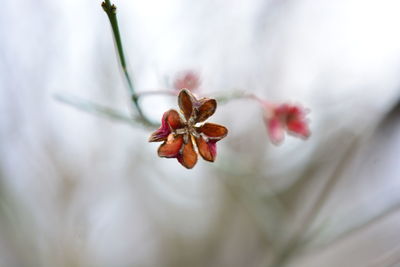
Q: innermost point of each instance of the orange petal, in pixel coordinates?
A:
(188, 157)
(185, 102)
(206, 109)
(215, 131)
(171, 147)
(208, 150)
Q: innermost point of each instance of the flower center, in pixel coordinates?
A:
(188, 129)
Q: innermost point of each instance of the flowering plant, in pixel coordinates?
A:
(182, 135)
(185, 135)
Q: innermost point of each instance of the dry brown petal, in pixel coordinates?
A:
(213, 130)
(185, 102)
(206, 151)
(206, 109)
(188, 158)
(171, 147)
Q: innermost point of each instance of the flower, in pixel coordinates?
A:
(187, 80)
(289, 117)
(182, 136)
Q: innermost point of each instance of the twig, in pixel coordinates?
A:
(237, 94)
(98, 109)
(111, 11)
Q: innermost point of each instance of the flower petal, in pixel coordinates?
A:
(208, 150)
(169, 120)
(188, 157)
(214, 131)
(185, 102)
(275, 130)
(173, 119)
(296, 122)
(207, 107)
(298, 128)
(171, 147)
(282, 110)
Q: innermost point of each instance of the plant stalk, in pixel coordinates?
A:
(111, 11)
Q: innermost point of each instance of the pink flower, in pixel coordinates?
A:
(285, 117)
(187, 80)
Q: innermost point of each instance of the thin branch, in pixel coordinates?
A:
(97, 109)
(111, 11)
(237, 94)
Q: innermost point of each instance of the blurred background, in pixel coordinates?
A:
(80, 190)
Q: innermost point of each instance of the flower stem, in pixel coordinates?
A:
(111, 11)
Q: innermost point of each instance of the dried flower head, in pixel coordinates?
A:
(187, 80)
(285, 117)
(183, 135)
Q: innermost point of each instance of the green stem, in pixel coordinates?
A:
(98, 109)
(111, 11)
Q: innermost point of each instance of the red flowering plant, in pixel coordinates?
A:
(185, 134)
(182, 136)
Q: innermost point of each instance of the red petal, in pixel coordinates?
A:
(185, 102)
(188, 157)
(299, 128)
(169, 120)
(208, 150)
(296, 122)
(213, 130)
(275, 130)
(171, 147)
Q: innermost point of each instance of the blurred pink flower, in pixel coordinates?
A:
(285, 117)
(187, 80)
